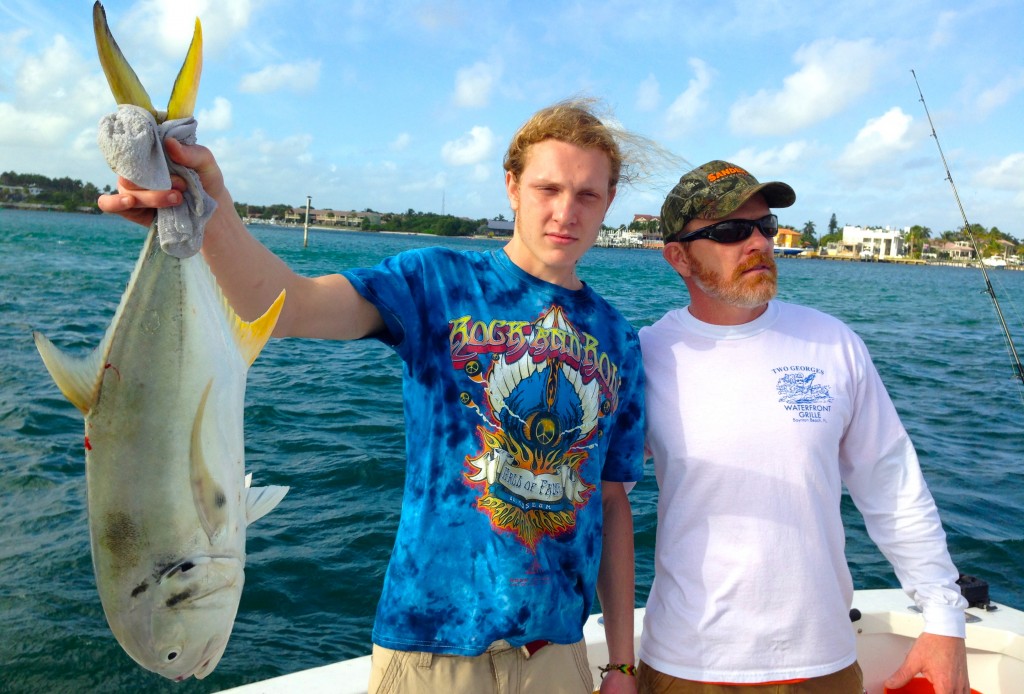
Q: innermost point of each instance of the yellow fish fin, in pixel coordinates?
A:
(124, 83)
(77, 377)
(186, 85)
(251, 337)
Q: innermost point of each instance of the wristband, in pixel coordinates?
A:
(618, 667)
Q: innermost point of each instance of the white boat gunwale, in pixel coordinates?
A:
(886, 630)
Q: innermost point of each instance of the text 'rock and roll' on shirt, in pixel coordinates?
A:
(520, 398)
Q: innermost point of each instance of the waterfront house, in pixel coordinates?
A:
(1008, 249)
(331, 218)
(497, 228)
(841, 249)
(788, 239)
(880, 242)
(25, 191)
(619, 238)
(649, 228)
(953, 250)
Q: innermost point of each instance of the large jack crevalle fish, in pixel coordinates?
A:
(163, 398)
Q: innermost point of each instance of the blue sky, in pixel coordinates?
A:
(398, 105)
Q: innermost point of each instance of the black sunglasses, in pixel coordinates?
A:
(733, 230)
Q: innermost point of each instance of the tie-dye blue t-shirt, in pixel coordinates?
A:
(520, 398)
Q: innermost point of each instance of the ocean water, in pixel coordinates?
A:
(326, 419)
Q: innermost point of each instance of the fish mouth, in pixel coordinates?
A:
(196, 601)
(209, 660)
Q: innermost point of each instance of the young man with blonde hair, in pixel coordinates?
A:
(524, 419)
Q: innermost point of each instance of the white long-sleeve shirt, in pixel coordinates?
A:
(754, 431)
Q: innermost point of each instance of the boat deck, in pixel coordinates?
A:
(886, 630)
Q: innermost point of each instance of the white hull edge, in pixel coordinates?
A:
(885, 632)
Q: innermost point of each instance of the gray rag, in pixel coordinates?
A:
(132, 142)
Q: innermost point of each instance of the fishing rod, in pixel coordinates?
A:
(970, 234)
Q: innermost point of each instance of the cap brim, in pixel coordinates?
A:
(776, 194)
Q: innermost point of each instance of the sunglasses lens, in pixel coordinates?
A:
(734, 230)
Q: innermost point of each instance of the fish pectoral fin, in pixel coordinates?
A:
(259, 501)
(251, 337)
(77, 377)
(208, 495)
(186, 85)
(124, 83)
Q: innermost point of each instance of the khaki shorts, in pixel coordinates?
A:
(849, 680)
(554, 669)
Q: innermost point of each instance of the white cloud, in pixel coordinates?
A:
(472, 148)
(945, 30)
(772, 163)
(46, 76)
(31, 128)
(1000, 93)
(169, 27)
(688, 106)
(833, 75)
(294, 77)
(878, 140)
(401, 142)
(10, 47)
(216, 118)
(481, 173)
(474, 84)
(648, 94)
(52, 97)
(1006, 174)
(257, 167)
(437, 182)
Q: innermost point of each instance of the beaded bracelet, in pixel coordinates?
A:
(618, 667)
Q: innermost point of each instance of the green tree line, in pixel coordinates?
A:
(919, 237)
(428, 223)
(264, 212)
(63, 193)
(411, 221)
(73, 195)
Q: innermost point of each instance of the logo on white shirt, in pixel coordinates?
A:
(800, 393)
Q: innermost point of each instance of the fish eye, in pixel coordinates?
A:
(171, 656)
(183, 567)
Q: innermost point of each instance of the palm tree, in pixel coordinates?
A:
(916, 237)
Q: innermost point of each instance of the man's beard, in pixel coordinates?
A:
(739, 290)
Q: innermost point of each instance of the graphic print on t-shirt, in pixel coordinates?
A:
(539, 389)
(801, 393)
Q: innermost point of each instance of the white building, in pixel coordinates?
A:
(619, 238)
(877, 242)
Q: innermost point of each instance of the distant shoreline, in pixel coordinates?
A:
(396, 232)
(37, 207)
(42, 207)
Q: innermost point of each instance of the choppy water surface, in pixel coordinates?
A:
(326, 419)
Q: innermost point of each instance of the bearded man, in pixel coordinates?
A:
(759, 412)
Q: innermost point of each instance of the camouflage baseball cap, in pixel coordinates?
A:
(713, 191)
